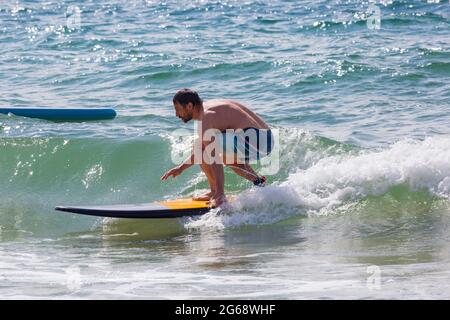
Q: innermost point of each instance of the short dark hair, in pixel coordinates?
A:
(184, 96)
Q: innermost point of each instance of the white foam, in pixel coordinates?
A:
(338, 180)
(334, 180)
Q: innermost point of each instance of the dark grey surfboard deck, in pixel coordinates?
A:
(156, 210)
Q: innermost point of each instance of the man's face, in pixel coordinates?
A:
(184, 113)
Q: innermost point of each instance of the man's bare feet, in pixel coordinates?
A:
(203, 197)
(217, 201)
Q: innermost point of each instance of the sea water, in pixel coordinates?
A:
(358, 91)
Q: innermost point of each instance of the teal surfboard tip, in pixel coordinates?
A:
(62, 114)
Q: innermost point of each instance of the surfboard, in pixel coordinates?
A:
(63, 114)
(156, 210)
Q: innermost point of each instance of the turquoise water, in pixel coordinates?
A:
(359, 207)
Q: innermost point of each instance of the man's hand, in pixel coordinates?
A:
(174, 172)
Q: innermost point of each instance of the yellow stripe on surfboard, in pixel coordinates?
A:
(183, 204)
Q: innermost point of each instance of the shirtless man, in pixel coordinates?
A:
(220, 115)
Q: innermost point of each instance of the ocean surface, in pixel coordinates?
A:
(360, 94)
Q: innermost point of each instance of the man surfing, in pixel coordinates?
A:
(240, 136)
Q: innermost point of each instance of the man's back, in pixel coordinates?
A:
(225, 114)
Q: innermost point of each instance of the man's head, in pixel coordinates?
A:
(187, 103)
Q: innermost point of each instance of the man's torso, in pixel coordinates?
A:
(225, 114)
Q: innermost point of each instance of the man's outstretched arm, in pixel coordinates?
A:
(176, 171)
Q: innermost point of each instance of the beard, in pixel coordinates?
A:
(186, 119)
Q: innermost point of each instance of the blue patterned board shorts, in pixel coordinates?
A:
(248, 144)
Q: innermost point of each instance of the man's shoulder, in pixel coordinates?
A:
(219, 103)
(209, 113)
(215, 101)
(209, 116)
(212, 119)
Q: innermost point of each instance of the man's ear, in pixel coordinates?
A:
(190, 106)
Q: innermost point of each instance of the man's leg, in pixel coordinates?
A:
(219, 178)
(245, 171)
(212, 184)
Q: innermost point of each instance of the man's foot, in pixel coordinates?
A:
(260, 181)
(203, 197)
(217, 201)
